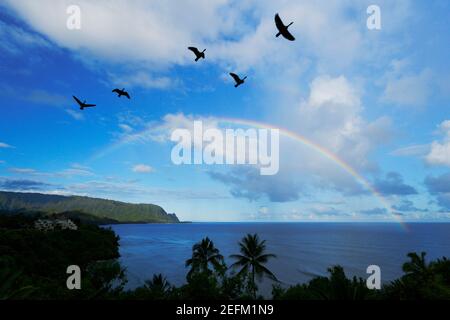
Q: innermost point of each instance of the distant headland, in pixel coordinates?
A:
(96, 209)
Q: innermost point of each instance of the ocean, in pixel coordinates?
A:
(302, 249)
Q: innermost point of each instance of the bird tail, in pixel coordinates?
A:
(236, 85)
(278, 34)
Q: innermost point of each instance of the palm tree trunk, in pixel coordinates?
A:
(253, 282)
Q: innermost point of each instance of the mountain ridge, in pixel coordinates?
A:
(122, 212)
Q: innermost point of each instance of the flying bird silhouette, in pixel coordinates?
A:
(121, 93)
(238, 80)
(197, 53)
(83, 104)
(282, 29)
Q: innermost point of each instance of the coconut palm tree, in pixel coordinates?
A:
(204, 254)
(252, 260)
(417, 266)
(158, 286)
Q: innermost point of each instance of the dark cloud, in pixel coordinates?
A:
(379, 211)
(393, 185)
(440, 187)
(10, 184)
(407, 206)
(444, 200)
(439, 184)
(330, 212)
(246, 182)
(374, 211)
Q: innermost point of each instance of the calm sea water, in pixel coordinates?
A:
(302, 249)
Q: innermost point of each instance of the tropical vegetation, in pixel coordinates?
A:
(33, 265)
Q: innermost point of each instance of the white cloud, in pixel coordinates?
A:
(155, 34)
(332, 117)
(16, 40)
(73, 170)
(162, 131)
(23, 170)
(126, 128)
(413, 150)
(440, 150)
(142, 80)
(138, 30)
(408, 89)
(142, 168)
(75, 114)
(5, 145)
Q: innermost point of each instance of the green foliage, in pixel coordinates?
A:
(33, 265)
(85, 218)
(11, 285)
(204, 255)
(335, 287)
(106, 279)
(422, 280)
(111, 211)
(207, 269)
(43, 258)
(202, 286)
(158, 288)
(213, 286)
(252, 260)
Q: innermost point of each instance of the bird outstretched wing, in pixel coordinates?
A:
(127, 95)
(283, 29)
(288, 35)
(116, 90)
(235, 77)
(78, 100)
(194, 50)
(279, 23)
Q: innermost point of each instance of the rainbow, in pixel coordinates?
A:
(287, 133)
(324, 152)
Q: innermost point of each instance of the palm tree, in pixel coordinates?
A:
(417, 266)
(158, 286)
(252, 260)
(204, 253)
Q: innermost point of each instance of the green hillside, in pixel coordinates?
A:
(102, 208)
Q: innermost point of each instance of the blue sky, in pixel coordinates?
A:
(377, 99)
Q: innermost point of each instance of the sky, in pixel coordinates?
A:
(371, 107)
